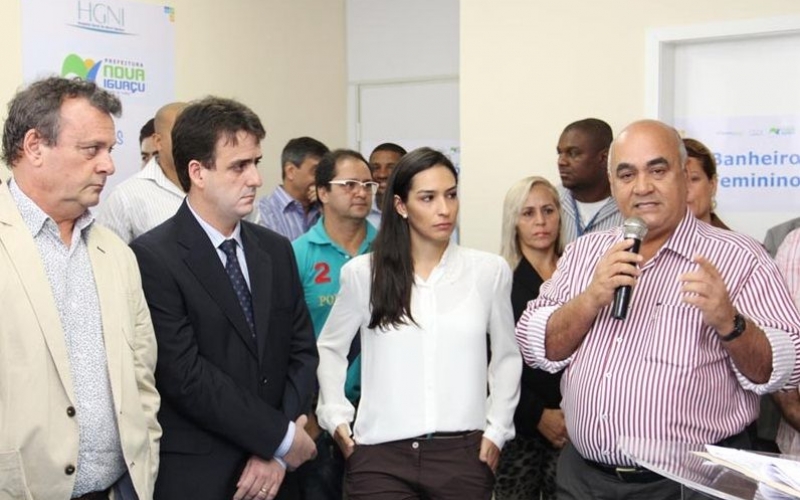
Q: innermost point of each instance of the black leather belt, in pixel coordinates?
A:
(445, 435)
(626, 474)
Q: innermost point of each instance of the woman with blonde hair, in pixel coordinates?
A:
(531, 245)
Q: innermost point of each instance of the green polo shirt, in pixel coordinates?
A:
(320, 261)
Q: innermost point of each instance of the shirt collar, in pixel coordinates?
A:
(37, 220)
(215, 236)
(318, 236)
(285, 201)
(152, 170)
(446, 269)
(682, 241)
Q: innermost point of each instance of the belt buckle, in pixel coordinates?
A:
(621, 471)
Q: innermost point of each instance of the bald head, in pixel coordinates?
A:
(165, 117)
(164, 121)
(647, 172)
(651, 128)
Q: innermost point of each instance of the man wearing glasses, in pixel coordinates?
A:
(344, 189)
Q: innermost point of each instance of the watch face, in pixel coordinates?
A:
(738, 324)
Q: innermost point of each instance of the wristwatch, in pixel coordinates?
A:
(738, 328)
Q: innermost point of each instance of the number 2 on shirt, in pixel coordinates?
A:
(324, 271)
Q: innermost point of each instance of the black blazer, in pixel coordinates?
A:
(225, 396)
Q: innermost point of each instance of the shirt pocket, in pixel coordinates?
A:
(678, 336)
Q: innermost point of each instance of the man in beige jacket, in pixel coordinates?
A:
(78, 401)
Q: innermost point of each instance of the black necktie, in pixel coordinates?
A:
(239, 284)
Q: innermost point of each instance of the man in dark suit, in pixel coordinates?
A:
(236, 350)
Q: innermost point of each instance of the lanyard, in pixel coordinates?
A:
(578, 223)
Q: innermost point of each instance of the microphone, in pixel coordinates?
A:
(634, 228)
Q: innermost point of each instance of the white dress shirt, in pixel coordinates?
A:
(430, 376)
(140, 203)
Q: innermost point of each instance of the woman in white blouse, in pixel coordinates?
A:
(426, 426)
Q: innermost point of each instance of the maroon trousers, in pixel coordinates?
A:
(440, 468)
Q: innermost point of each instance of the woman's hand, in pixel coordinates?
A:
(489, 454)
(344, 441)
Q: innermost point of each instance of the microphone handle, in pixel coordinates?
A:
(622, 295)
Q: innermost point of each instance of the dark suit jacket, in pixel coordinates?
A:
(224, 396)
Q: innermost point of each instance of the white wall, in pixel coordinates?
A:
(387, 39)
(284, 59)
(529, 68)
(407, 52)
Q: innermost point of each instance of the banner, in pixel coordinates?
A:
(758, 160)
(125, 47)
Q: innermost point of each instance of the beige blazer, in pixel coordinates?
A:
(38, 429)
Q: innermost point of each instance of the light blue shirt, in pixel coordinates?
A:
(285, 215)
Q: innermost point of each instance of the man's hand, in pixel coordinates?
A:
(260, 480)
(789, 404)
(489, 454)
(311, 194)
(312, 426)
(568, 325)
(344, 441)
(303, 447)
(553, 427)
(705, 290)
(618, 267)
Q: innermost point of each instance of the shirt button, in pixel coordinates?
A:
(606, 452)
(415, 445)
(619, 339)
(69, 470)
(264, 381)
(70, 411)
(608, 375)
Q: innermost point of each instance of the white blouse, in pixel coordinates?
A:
(432, 377)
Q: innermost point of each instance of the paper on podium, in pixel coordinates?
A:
(777, 473)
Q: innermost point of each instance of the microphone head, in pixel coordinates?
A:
(634, 228)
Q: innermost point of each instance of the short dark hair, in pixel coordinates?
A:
(599, 131)
(326, 169)
(297, 150)
(147, 130)
(198, 128)
(389, 146)
(392, 265)
(38, 107)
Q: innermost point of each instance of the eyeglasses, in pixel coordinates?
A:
(351, 185)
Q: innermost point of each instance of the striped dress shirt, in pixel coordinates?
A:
(140, 203)
(285, 215)
(608, 217)
(662, 373)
